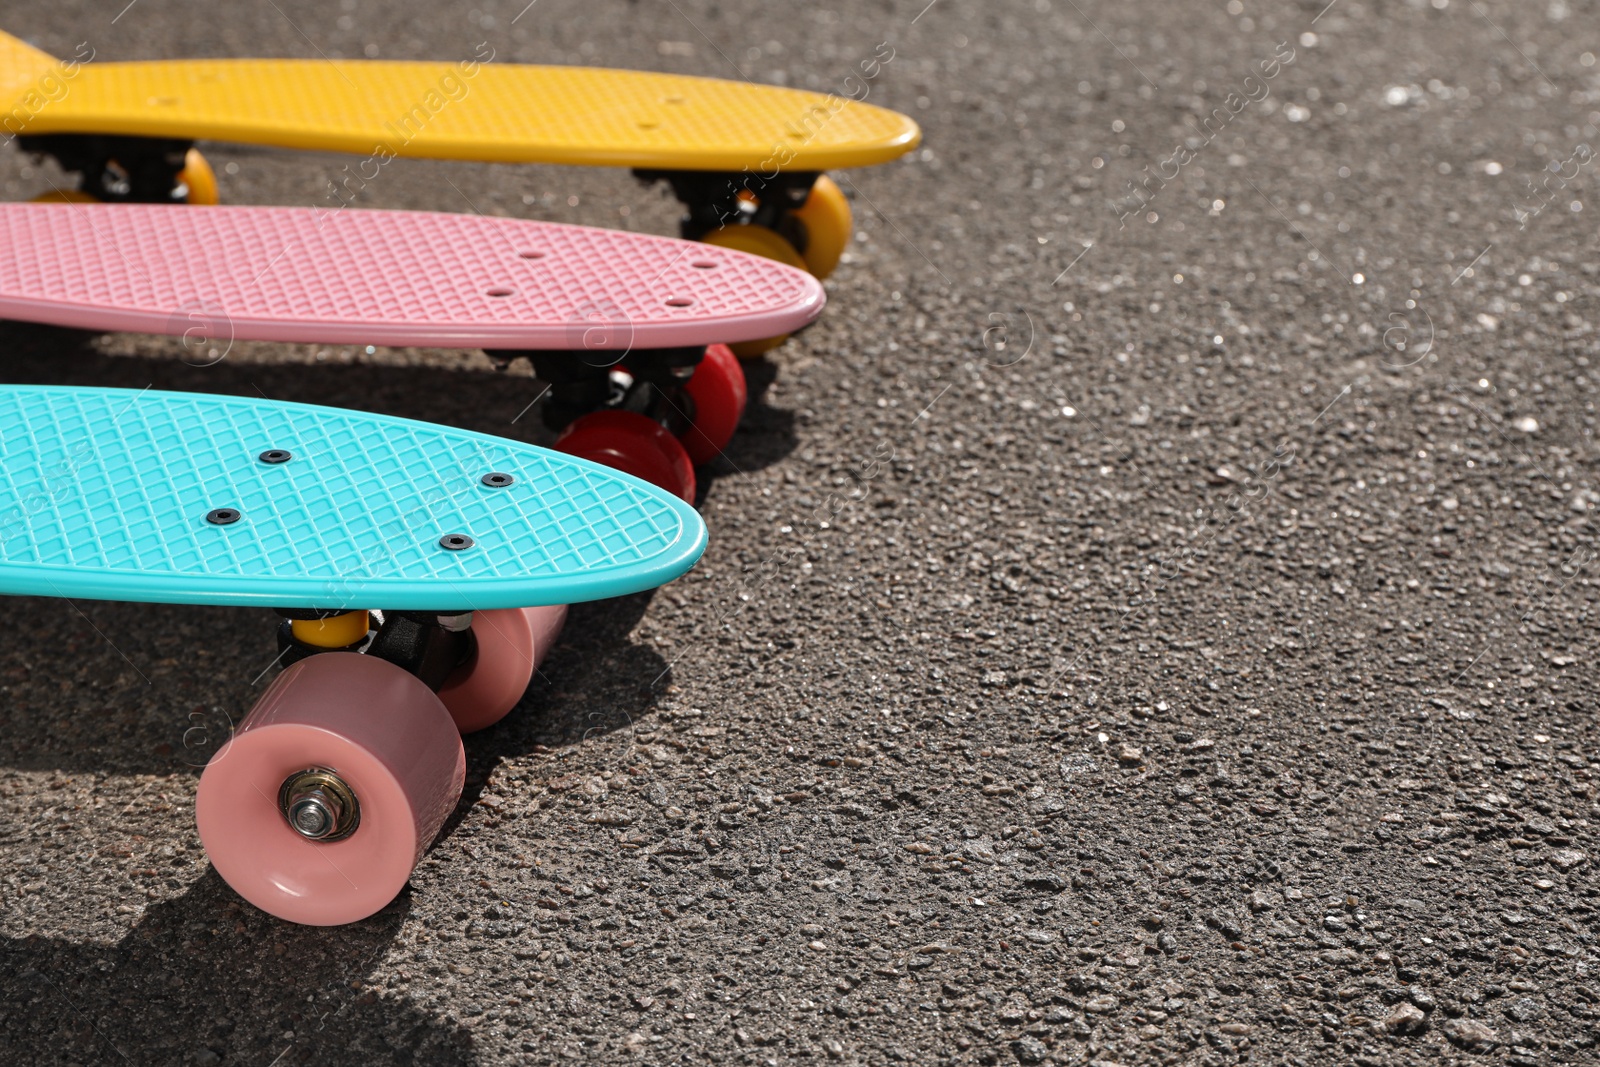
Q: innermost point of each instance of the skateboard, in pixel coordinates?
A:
(745, 160)
(629, 331)
(321, 802)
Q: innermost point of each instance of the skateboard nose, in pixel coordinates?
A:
(318, 805)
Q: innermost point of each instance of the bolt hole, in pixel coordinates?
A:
(679, 302)
(276, 455)
(530, 254)
(705, 264)
(500, 290)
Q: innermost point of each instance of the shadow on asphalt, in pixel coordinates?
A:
(205, 979)
(468, 397)
(594, 688)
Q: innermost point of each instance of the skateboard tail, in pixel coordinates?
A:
(31, 82)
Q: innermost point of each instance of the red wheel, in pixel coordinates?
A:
(320, 805)
(719, 394)
(511, 643)
(632, 444)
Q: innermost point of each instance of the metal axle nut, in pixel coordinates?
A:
(318, 805)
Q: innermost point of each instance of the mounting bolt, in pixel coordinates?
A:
(276, 455)
(456, 542)
(224, 516)
(497, 480)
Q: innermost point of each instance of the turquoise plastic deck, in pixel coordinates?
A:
(105, 493)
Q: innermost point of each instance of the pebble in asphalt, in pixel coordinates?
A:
(1150, 619)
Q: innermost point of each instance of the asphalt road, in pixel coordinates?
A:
(1139, 627)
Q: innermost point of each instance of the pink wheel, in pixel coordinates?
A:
(511, 643)
(633, 444)
(719, 395)
(365, 761)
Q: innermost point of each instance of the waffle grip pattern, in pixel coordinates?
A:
(386, 278)
(159, 497)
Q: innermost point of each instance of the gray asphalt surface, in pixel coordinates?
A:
(1137, 629)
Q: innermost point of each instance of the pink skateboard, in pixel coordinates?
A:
(628, 330)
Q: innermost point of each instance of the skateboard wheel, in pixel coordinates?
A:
(633, 444)
(370, 728)
(756, 240)
(63, 196)
(826, 214)
(757, 349)
(511, 643)
(719, 395)
(201, 179)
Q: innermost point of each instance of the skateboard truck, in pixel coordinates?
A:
(133, 170)
(648, 381)
(713, 201)
(427, 644)
(306, 631)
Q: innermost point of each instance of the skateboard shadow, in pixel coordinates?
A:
(466, 394)
(766, 434)
(154, 689)
(454, 391)
(204, 978)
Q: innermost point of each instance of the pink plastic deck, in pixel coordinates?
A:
(385, 278)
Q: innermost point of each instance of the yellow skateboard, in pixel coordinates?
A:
(746, 160)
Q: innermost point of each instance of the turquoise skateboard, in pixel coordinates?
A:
(421, 572)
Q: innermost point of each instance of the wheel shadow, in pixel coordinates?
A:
(204, 978)
(461, 395)
(766, 434)
(595, 688)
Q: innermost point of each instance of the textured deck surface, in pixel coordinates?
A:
(503, 113)
(391, 278)
(104, 494)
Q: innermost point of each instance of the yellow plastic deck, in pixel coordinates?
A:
(491, 112)
(26, 83)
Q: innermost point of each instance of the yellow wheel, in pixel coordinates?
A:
(63, 196)
(758, 241)
(826, 214)
(199, 177)
(757, 349)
